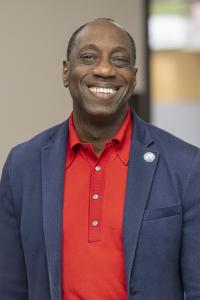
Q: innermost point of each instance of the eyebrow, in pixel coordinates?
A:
(88, 46)
(120, 49)
(94, 47)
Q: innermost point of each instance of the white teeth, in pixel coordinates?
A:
(102, 90)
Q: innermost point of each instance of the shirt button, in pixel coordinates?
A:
(95, 196)
(94, 223)
(97, 168)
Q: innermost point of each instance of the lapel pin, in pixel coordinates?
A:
(149, 156)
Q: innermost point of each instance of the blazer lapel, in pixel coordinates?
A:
(53, 166)
(139, 181)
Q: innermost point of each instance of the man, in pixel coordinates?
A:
(104, 206)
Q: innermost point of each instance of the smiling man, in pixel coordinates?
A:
(101, 75)
(103, 206)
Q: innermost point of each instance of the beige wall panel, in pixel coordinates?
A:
(34, 35)
(175, 76)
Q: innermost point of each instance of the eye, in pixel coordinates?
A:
(88, 58)
(120, 61)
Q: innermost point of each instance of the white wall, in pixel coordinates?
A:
(179, 118)
(34, 35)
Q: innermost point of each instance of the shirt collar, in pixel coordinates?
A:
(121, 140)
(74, 142)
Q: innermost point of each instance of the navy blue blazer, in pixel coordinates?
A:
(161, 227)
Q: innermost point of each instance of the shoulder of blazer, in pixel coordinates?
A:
(26, 156)
(40, 140)
(25, 159)
(174, 154)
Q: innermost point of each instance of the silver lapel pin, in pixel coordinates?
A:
(149, 156)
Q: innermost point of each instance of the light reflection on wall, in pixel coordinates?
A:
(176, 30)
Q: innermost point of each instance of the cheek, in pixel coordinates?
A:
(76, 80)
(79, 71)
(73, 78)
(128, 76)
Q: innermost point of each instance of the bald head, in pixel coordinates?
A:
(99, 21)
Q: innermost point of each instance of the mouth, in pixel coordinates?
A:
(103, 92)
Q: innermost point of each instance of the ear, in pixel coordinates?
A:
(65, 73)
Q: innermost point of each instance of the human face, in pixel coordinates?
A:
(100, 74)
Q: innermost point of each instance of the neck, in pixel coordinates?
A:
(97, 130)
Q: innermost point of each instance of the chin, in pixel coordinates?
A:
(104, 112)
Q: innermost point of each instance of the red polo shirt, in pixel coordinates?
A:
(94, 192)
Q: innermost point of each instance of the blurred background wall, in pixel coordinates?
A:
(174, 41)
(34, 36)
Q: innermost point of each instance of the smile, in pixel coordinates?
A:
(102, 90)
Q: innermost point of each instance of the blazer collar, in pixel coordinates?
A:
(139, 181)
(53, 157)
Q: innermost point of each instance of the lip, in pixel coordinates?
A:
(115, 85)
(104, 85)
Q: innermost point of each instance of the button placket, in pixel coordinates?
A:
(95, 206)
(97, 186)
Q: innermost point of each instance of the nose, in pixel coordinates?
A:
(104, 68)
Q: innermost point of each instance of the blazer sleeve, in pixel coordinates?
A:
(190, 250)
(13, 278)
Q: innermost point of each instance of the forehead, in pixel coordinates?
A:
(103, 34)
